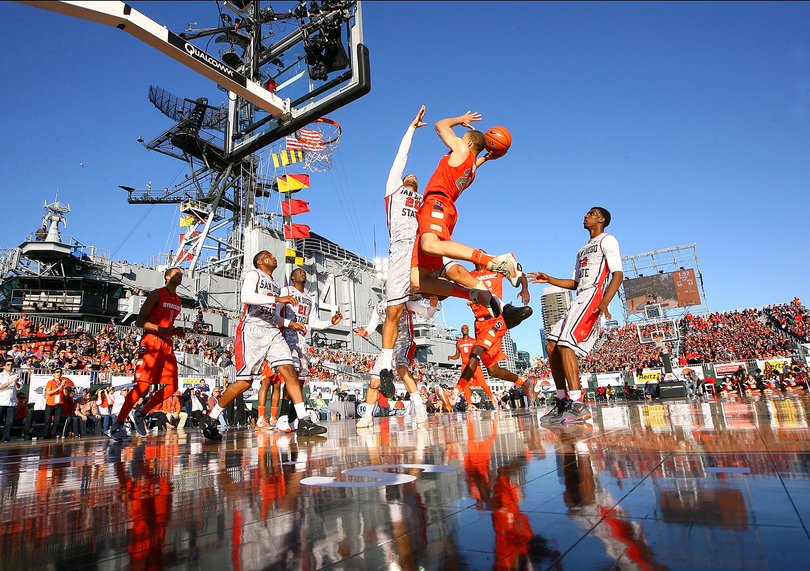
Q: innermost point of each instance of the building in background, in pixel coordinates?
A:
(554, 302)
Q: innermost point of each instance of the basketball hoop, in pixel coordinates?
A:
(659, 341)
(318, 140)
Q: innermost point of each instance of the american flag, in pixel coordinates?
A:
(306, 140)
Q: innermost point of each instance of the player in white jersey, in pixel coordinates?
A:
(402, 203)
(304, 314)
(259, 338)
(575, 334)
(403, 352)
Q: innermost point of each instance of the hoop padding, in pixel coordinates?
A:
(318, 140)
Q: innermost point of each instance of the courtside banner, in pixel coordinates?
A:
(647, 377)
(778, 364)
(729, 368)
(681, 372)
(326, 389)
(605, 379)
(38, 383)
(196, 382)
(121, 380)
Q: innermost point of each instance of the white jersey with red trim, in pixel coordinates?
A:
(596, 261)
(401, 203)
(304, 312)
(258, 282)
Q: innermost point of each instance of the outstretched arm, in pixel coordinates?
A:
(401, 160)
(541, 278)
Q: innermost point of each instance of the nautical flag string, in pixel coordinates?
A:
(288, 157)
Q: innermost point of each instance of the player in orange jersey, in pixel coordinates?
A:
(156, 361)
(463, 349)
(437, 218)
(489, 332)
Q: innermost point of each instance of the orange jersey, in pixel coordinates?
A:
(166, 310)
(451, 181)
(464, 347)
(493, 282)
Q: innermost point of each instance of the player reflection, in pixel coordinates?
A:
(499, 490)
(595, 507)
(146, 489)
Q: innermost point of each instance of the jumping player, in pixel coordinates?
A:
(304, 314)
(575, 334)
(489, 333)
(404, 349)
(157, 364)
(402, 204)
(437, 216)
(259, 338)
(463, 348)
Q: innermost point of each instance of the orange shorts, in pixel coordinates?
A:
(488, 334)
(437, 216)
(156, 364)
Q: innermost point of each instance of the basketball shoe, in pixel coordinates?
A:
(262, 424)
(421, 412)
(555, 413)
(210, 428)
(387, 384)
(365, 422)
(480, 295)
(119, 433)
(507, 265)
(308, 428)
(514, 316)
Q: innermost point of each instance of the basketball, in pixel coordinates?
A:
(498, 141)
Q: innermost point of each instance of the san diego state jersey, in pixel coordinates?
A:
(262, 314)
(401, 208)
(596, 260)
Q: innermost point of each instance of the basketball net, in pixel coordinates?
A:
(659, 341)
(318, 140)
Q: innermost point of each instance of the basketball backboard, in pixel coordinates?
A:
(319, 65)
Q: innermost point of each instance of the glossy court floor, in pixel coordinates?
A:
(679, 485)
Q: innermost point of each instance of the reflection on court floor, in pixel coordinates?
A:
(682, 485)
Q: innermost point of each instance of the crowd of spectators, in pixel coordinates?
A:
(732, 336)
(792, 317)
(622, 351)
(112, 350)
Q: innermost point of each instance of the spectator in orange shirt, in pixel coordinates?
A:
(55, 397)
(176, 414)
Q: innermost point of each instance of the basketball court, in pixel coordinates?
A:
(680, 485)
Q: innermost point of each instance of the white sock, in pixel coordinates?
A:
(415, 397)
(560, 394)
(387, 356)
(216, 411)
(300, 410)
(369, 410)
(575, 395)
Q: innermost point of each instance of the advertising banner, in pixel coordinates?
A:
(681, 372)
(38, 383)
(606, 379)
(728, 368)
(648, 376)
(777, 364)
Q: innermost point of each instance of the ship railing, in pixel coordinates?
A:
(329, 249)
(47, 300)
(81, 251)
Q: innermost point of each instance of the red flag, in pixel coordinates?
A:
(293, 231)
(294, 207)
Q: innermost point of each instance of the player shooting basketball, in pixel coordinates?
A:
(437, 218)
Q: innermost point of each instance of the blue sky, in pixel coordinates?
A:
(688, 121)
